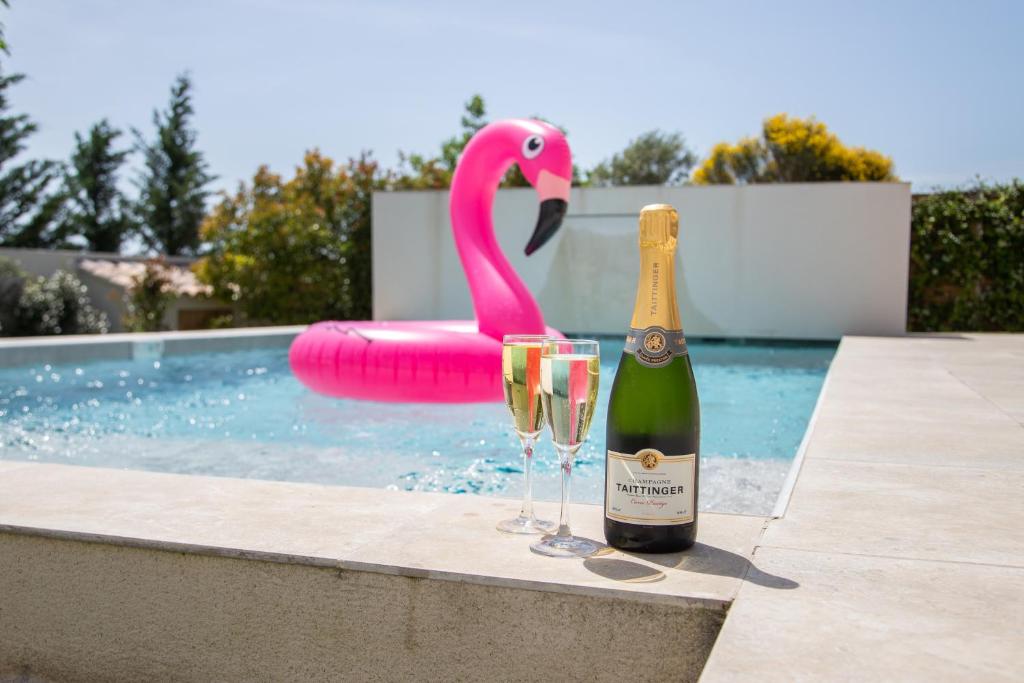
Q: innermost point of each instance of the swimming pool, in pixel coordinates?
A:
(243, 414)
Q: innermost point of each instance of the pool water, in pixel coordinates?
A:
(243, 414)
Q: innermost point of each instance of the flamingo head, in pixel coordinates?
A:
(546, 162)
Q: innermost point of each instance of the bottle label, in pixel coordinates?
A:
(655, 346)
(649, 487)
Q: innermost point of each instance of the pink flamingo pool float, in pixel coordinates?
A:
(453, 361)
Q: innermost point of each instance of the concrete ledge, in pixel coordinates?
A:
(86, 612)
(122, 575)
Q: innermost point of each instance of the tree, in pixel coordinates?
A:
(654, 158)
(96, 210)
(364, 177)
(295, 251)
(28, 210)
(3, 40)
(419, 172)
(147, 299)
(172, 189)
(12, 285)
(792, 150)
(472, 120)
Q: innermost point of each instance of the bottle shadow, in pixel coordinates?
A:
(701, 559)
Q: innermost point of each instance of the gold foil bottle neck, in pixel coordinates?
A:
(656, 291)
(659, 226)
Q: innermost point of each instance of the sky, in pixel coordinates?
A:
(937, 86)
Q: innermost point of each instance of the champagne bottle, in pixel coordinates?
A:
(653, 437)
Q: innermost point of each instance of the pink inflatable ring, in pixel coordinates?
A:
(453, 360)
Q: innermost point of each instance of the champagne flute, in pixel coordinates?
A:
(520, 378)
(569, 370)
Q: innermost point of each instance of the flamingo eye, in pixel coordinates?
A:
(532, 146)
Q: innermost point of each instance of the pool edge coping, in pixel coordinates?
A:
(317, 562)
(786, 492)
(326, 530)
(18, 352)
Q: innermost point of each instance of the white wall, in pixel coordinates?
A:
(796, 261)
(45, 262)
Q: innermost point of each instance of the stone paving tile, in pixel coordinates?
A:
(962, 408)
(982, 368)
(909, 511)
(862, 618)
(895, 388)
(981, 373)
(896, 440)
(965, 346)
(1005, 392)
(864, 366)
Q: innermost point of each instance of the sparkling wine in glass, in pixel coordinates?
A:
(569, 372)
(520, 378)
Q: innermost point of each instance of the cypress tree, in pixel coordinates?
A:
(96, 209)
(27, 209)
(172, 188)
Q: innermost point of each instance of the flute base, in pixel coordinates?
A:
(526, 525)
(564, 546)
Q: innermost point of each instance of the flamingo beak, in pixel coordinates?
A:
(552, 211)
(554, 203)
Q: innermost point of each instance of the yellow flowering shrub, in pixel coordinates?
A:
(792, 150)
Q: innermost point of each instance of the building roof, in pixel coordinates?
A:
(182, 281)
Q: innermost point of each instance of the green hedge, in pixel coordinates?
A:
(967, 260)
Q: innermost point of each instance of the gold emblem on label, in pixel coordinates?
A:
(649, 458)
(654, 342)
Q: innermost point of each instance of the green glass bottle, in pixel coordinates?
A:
(653, 432)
